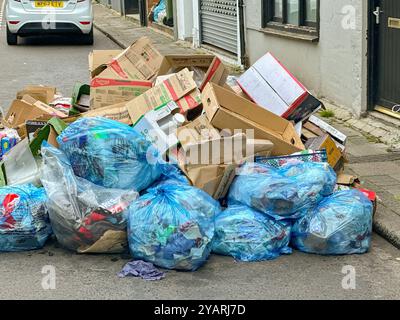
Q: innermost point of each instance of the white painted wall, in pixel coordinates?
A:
(184, 18)
(334, 68)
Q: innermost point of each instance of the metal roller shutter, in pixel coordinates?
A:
(219, 23)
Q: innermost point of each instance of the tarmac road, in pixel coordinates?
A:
(61, 62)
(48, 60)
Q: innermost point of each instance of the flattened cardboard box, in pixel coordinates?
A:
(226, 110)
(196, 131)
(140, 61)
(327, 143)
(29, 108)
(214, 70)
(106, 92)
(172, 89)
(99, 59)
(42, 93)
(117, 112)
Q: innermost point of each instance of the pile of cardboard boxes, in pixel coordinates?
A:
(183, 104)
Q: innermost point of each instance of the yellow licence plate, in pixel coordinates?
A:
(54, 4)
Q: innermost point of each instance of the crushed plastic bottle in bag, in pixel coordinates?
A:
(172, 226)
(85, 217)
(110, 154)
(24, 221)
(340, 224)
(249, 235)
(282, 192)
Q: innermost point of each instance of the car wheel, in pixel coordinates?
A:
(88, 38)
(12, 38)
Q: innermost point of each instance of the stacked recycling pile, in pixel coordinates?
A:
(162, 156)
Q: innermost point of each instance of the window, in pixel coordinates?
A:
(293, 16)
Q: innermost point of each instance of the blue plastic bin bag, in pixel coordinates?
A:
(159, 10)
(110, 154)
(340, 224)
(85, 217)
(24, 222)
(249, 235)
(282, 192)
(171, 174)
(172, 226)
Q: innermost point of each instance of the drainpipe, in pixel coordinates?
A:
(175, 17)
(242, 30)
(143, 12)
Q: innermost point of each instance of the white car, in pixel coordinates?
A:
(35, 17)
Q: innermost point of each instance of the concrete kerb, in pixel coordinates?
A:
(387, 225)
(110, 36)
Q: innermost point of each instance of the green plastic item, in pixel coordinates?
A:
(3, 178)
(78, 90)
(43, 134)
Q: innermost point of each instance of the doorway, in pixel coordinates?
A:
(385, 59)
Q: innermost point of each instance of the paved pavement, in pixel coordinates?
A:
(298, 276)
(379, 170)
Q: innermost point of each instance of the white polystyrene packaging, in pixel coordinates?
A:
(20, 165)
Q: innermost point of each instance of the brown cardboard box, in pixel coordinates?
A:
(260, 147)
(221, 150)
(189, 102)
(313, 129)
(226, 150)
(348, 180)
(99, 59)
(214, 70)
(106, 92)
(238, 90)
(213, 179)
(172, 89)
(29, 108)
(42, 93)
(196, 131)
(140, 61)
(216, 175)
(117, 112)
(226, 110)
(327, 143)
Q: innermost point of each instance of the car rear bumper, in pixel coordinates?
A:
(80, 20)
(35, 28)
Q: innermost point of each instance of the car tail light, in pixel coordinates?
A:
(84, 22)
(13, 22)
